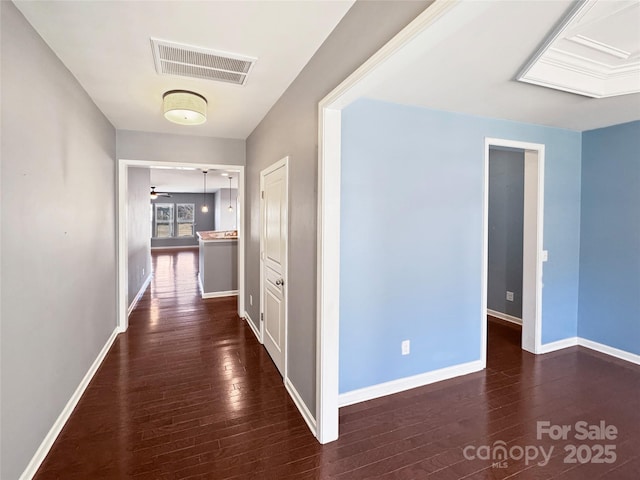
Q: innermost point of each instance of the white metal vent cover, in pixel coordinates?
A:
(188, 61)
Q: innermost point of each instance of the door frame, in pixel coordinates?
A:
(328, 215)
(121, 213)
(283, 162)
(532, 252)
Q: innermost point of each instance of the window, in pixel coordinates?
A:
(163, 227)
(185, 219)
(173, 220)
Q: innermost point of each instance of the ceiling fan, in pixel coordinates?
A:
(155, 194)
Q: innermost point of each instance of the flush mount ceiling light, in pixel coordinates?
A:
(184, 107)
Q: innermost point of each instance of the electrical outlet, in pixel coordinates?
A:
(143, 272)
(545, 255)
(406, 347)
(251, 300)
(510, 296)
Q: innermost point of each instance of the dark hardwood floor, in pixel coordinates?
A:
(188, 392)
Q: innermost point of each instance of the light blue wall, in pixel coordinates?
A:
(506, 222)
(609, 309)
(411, 237)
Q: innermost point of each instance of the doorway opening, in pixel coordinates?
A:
(407, 46)
(505, 229)
(512, 253)
(124, 227)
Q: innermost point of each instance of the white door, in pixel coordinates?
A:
(273, 181)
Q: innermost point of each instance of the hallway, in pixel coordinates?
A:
(188, 392)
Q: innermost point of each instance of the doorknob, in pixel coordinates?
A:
(280, 282)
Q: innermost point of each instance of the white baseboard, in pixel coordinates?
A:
(504, 316)
(402, 384)
(228, 293)
(55, 430)
(614, 352)
(559, 345)
(302, 408)
(255, 331)
(598, 347)
(140, 293)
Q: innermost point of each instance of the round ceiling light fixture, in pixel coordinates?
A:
(184, 107)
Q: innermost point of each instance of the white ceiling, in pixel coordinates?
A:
(106, 45)
(595, 53)
(190, 180)
(467, 62)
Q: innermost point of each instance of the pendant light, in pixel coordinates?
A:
(204, 208)
(230, 207)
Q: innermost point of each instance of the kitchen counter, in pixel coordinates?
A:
(218, 272)
(216, 235)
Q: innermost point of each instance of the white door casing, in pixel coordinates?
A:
(533, 217)
(121, 209)
(273, 232)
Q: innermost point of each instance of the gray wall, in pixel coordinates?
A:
(204, 221)
(218, 266)
(223, 218)
(138, 230)
(163, 147)
(291, 128)
(506, 221)
(58, 276)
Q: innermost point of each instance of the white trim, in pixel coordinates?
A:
(253, 328)
(534, 156)
(228, 293)
(177, 247)
(122, 174)
(484, 263)
(240, 227)
(407, 383)
(355, 84)
(504, 316)
(396, 386)
(123, 256)
(62, 419)
(606, 349)
(590, 344)
(328, 223)
(302, 407)
(558, 345)
(328, 276)
(140, 293)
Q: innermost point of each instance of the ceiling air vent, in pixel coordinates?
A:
(195, 62)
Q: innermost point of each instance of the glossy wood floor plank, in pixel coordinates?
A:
(188, 393)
